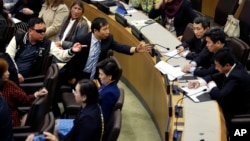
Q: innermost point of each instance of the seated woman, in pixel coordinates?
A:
(73, 25)
(88, 124)
(53, 13)
(14, 95)
(175, 14)
(109, 91)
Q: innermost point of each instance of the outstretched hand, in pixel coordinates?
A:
(77, 47)
(142, 47)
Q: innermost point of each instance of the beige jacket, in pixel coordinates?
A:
(53, 19)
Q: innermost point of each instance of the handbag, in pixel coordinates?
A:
(232, 27)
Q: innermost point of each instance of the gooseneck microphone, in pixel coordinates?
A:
(148, 22)
(160, 46)
(175, 54)
(130, 15)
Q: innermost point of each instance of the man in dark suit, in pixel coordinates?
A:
(193, 46)
(230, 87)
(203, 64)
(83, 64)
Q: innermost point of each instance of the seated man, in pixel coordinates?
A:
(230, 87)
(203, 64)
(197, 43)
(29, 49)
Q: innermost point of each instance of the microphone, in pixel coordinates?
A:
(148, 22)
(130, 15)
(175, 54)
(160, 46)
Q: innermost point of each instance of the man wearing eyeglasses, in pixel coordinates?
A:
(28, 49)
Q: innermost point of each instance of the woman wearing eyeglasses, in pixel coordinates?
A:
(53, 13)
(88, 124)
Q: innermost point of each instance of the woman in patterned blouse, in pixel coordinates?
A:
(14, 95)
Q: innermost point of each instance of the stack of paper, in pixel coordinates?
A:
(168, 69)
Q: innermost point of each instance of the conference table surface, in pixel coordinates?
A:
(201, 120)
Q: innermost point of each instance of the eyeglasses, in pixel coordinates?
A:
(40, 30)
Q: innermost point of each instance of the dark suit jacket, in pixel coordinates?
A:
(184, 16)
(205, 62)
(233, 94)
(195, 45)
(109, 95)
(74, 68)
(87, 125)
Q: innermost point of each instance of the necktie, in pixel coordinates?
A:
(94, 58)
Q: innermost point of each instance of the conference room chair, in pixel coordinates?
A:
(119, 103)
(113, 127)
(49, 83)
(47, 125)
(222, 10)
(240, 49)
(188, 32)
(42, 74)
(35, 119)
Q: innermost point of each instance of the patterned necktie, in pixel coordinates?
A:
(94, 58)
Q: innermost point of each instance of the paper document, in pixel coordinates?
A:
(195, 94)
(173, 54)
(168, 69)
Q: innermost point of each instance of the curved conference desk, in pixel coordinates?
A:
(200, 119)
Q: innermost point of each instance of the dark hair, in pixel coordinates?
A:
(97, 23)
(224, 56)
(3, 67)
(33, 21)
(89, 88)
(216, 34)
(204, 21)
(109, 67)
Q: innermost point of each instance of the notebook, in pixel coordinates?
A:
(200, 94)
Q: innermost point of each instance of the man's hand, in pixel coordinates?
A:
(142, 47)
(179, 38)
(27, 11)
(20, 78)
(72, 81)
(187, 68)
(193, 84)
(58, 44)
(77, 47)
